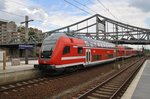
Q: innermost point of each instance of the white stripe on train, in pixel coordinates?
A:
(73, 57)
(84, 64)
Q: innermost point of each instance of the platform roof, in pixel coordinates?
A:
(3, 21)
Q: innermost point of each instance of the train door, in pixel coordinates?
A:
(88, 56)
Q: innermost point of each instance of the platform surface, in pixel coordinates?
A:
(142, 90)
(21, 67)
(140, 86)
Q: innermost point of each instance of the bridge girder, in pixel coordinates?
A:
(108, 30)
(101, 28)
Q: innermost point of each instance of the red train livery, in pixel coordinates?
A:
(61, 51)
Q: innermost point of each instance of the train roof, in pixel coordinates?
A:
(88, 41)
(97, 43)
(127, 47)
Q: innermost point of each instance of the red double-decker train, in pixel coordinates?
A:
(61, 51)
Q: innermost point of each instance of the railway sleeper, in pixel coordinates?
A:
(91, 97)
(3, 87)
(107, 87)
(103, 92)
(11, 86)
(24, 83)
(119, 79)
(118, 84)
(115, 86)
(31, 81)
(101, 95)
(124, 77)
(114, 83)
(107, 90)
(41, 79)
(36, 80)
(19, 84)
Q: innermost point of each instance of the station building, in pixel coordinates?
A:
(11, 36)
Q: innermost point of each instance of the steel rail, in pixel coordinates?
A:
(128, 79)
(106, 81)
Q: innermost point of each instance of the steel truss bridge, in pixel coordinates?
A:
(100, 28)
(103, 28)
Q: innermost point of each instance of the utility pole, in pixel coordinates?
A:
(26, 36)
(97, 28)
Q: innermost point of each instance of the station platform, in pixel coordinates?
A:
(18, 72)
(140, 86)
(22, 66)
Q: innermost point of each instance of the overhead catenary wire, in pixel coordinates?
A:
(96, 5)
(19, 3)
(85, 6)
(12, 13)
(118, 13)
(107, 9)
(17, 15)
(99, 6)
(77, 7)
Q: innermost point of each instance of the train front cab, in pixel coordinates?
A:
(49, 55)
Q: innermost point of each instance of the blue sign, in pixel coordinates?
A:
(25, 46)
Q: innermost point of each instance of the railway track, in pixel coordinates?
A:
(115, 86)
(12, 86)
(32, 82)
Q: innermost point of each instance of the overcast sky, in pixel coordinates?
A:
(52, 14)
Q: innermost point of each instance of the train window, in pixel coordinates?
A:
(80, 50)
(96, 57)
(99, 57)
(66, 50)
(106, 55)
(110, 56)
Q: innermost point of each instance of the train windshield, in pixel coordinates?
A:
(49, 44)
